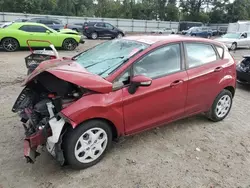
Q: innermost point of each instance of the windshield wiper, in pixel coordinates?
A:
(121, 57)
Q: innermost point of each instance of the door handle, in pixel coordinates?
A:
(176, 82)
(218, 69)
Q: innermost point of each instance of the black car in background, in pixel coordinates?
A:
(243, 70)
(94, 30)
(50, 22)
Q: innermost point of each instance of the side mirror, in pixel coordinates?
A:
(138, 81)
(47, 31)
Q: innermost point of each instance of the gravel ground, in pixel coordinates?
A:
(163, 157)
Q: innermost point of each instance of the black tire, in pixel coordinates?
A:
(94, 35)
(69, 44)
(119, 35)
(211, 114)
(193, 35)
(10, 44)
(160, 33)
(70, 142)
(234, 46)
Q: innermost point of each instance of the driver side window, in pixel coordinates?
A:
(162, 61)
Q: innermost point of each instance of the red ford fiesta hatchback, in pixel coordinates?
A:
(77, 107)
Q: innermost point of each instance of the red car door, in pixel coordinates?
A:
(164, 99)
(205, 71)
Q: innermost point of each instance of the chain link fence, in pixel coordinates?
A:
(128, 25)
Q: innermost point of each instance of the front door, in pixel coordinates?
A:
(205, 71)
(164, 99)
(36, 32)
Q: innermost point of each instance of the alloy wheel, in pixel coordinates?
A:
(223, 106)
(70, 44)
(119, 35)
(90, 145)
(10, 44)
(94, 35)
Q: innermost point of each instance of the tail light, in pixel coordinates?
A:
(52, 57)
(86, 27)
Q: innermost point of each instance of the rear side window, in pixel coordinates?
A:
(46, 22)
(100, 25)
(33, 28)
(199, 54)
(220, 51)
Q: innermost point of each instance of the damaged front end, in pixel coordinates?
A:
(243, 70)
(39, 106)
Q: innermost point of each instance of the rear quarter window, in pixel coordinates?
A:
(198, 54)
(220, 51)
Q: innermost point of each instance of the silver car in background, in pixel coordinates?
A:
(166, 31)
(235, 40)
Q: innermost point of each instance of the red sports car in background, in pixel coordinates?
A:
(77, 106)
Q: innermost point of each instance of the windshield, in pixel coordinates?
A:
(232, 35)
(108, 56)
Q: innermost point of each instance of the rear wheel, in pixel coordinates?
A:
(234, 46)
(94, 35)
(87, 144)
(69, 44)
(10, 44)
(221, 106)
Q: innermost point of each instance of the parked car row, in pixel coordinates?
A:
(91, 30)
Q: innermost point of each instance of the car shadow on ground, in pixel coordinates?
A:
(245, 87)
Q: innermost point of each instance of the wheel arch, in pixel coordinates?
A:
(231, 89)
(9, 37)
(68, 38)
(114, 129)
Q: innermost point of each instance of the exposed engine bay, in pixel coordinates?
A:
(39, 105)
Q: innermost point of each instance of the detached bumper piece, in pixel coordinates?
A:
(30, 146)
(29, 154)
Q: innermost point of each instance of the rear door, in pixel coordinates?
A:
(111, 31)
(100, 29)
(205, 71)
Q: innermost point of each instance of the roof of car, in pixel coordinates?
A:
(150, 39)
(27, 23)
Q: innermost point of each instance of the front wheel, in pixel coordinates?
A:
(221, 106)
(69, 44)
(87, 144)
(10, 44)
(120, 35)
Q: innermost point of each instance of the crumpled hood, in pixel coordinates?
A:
(72, 72)
(225, 40)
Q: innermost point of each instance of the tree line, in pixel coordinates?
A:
(206, 11)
